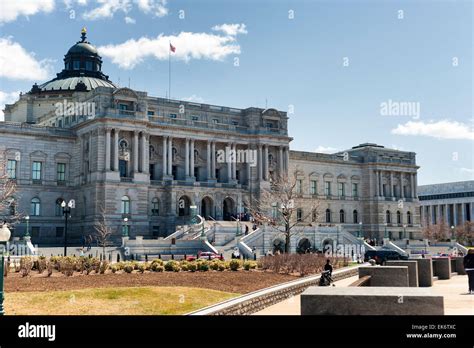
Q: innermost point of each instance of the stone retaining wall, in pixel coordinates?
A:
(258, 300)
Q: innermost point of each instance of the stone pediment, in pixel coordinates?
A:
(125, 93)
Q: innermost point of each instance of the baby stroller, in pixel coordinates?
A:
(325, 279)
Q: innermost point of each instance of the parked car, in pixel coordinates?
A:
(208, 255)
(382, 255)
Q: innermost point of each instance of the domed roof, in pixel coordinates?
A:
(71, 83)
(82, 70)
(82, 48)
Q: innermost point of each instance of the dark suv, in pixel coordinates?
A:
(380, 256)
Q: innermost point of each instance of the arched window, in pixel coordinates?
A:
(123, 144)
(155, 207)
(355, 216)
(342, 216)
(399, 217)
(409, 218)
(328, 215)
(125, 207)
(35, 207)
(388, 217)
(58, 209)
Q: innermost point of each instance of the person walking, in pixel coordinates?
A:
(469, 268)
(328, 267)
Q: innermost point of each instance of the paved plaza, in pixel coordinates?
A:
(454, 291)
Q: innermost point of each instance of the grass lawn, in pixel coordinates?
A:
(153, 300)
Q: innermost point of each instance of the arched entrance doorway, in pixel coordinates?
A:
(278, 246)
(228, 208)
(328, 246)
(304, 246)
(207, 207)
(184, 202)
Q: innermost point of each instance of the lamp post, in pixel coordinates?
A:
(385, 231)
(125, 228)
(66, 212)
(359, 233)
(27, 219)
(4, 237)
(452, 232)
(405, 231)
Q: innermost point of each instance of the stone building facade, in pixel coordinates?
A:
(451, 202)
(144, 162)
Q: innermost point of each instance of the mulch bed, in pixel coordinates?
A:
(237, 282)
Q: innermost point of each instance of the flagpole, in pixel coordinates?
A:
(169, 71)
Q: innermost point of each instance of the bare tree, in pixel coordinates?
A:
(103, 230)
(282, 207)
(428, 231)
(465, 233)
(8, 211)
(441, 231)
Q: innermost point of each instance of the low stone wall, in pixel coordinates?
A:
(412, 270)
(425, 272)
(442, 267)
(370, 301)
(258, 300)
(386, 275)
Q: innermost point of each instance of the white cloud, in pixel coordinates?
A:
(107, 8)
(7, 98)
(11, 9)
(18, 64)
(194, 98)
(444, 129)
(188, 46)
(130, 20)
(326, 149)
(70, 3)
(157, 7)
(231, 29)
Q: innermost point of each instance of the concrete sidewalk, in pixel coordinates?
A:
(454, 291)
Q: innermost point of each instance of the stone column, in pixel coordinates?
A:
(402, 194)
(281, 160)
(265, 172)
(430, 214)
(446, 216)
(455, 215)
(165, 161)
(377, 183)
(191, 169)
(463, 213)
(234, 163)
(170, 155)
(145, 153)
(107, 149)
(209, 173)
(229, 162)
(391, 184)
(381, 184)
(135, 152)
(287, 159)
(186, 158)
(213, 160)
(412, 185)
(116, 150)
(422, 215)
(260, 169)
(416, 184)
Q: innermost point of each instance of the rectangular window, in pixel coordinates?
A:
(76, 65)
(151, 113)
(355, 190)
(123, 169)
(299, 186)
(327, 188)
(299, 214)
(156, 231)
(341, 189)
(59, 232)
(173, 116)
(235, 123)
(195, 118)
(314, 187)
(152, 171)
(36, 171)
(11, 169)
(123, 106)
(89, 65)
(61, 171)
(215, 120)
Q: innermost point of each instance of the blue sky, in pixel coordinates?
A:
(404, 51)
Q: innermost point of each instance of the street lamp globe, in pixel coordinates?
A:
(27, 217)
(4, 233)
(125, 219)
(63, 204)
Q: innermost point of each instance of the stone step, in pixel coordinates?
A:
(454, 273)
(435, 278)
